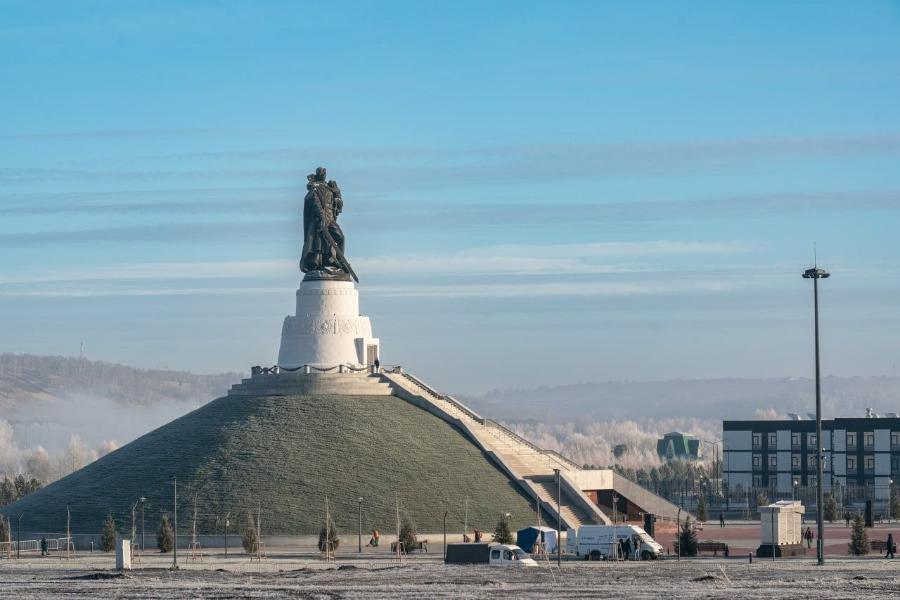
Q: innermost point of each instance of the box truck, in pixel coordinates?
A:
(611, 542)
(488, 554)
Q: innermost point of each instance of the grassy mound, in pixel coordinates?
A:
(285, 455)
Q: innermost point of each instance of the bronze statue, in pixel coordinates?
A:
(323, 241)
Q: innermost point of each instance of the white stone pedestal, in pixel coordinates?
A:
(327, 329)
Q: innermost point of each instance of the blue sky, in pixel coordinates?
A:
(537, 193)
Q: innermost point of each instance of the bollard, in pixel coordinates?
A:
(750, 556)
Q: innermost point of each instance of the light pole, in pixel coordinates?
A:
(359, 512)
(18, 534)
(816, 274)
(227, 523)
(615, 501)
(175, 504)
(716, 465)
(558, 518)
(143, 500)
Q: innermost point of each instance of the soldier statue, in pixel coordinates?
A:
(323, 241)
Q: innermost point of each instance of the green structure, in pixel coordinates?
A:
(678, 446)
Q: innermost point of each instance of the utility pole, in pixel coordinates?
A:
(816, 274)
(558, 517)
(18, 534)
(133, 527)
(227, 515)
(175, 546)
(259, 528)
(399, 549)
(69, 543)
(466, 520)
(143, 500)
(359, 529)
(445, 535)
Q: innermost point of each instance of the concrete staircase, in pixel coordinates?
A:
(572, 513)
(530, 466)
(287, 383)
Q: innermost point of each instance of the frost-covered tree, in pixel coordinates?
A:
(687, 539)
(831, 509)
(408, 534)
(895, 503)
(859, 540)
(328, 536)
(502, 532)
(165, 537)
(108, 534)
(702, 510)
(250, 538)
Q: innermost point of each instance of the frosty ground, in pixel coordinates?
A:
(427, 576)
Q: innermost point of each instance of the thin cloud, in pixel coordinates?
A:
(558, 259)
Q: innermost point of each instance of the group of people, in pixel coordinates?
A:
(477, 533)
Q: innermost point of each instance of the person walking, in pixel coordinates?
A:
(377, 365)
(809, 537)
(721, 519)
(890, 546)
(847, 517)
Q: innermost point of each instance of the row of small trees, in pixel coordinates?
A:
(328, 535)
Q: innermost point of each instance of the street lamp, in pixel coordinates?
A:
(716, 465)
(143, 500)
(359, 513)
(816, 274)
(558, 517)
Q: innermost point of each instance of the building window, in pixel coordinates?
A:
(869, 440)
(795, 439)
(851, 440)
(811, 461)
(757, 481)
(895, 440)
(757, 462)
(851, 465)
(795, 462)
(757, 441)
(811, 440)
(895, 465)
(870, 464)
(773, 464)
(773, 440)
(810, 480)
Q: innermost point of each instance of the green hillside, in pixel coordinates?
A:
(286, 454)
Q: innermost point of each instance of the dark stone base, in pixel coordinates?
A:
(765, 550)
(329, 274)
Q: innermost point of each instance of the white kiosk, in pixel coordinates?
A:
(781, 529)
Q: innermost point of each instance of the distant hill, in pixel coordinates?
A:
(26, 380)
(706, 399)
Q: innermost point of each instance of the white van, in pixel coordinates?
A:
(609, 542)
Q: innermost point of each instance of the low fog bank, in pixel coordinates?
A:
(50, 439)
(592, 443)
(719, 399)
